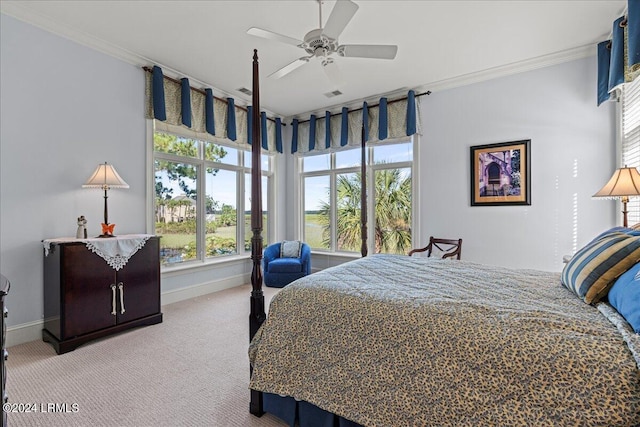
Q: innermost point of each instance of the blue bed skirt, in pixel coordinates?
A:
(307, 415)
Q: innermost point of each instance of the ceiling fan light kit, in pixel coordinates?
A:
(322, 43)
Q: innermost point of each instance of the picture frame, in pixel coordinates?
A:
(501, 174)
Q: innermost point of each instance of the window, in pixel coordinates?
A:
(331, 202)
(202, 193)
(630, 129)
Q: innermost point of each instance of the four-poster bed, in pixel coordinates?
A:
(397, 340)
(257, 314)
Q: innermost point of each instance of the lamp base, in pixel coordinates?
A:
(106, 235)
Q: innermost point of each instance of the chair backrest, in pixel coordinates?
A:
(450, 247)
(272, 251)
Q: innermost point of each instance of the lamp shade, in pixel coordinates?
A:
(624, 182)
(105, 177)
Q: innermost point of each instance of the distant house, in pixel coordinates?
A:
(177, 209)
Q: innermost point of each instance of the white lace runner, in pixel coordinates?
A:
(116, 251)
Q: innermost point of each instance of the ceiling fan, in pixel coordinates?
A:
(322, 43)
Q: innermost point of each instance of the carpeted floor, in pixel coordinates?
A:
(190, 370)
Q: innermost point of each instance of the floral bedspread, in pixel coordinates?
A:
(400, 341)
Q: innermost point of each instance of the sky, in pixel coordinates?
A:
(222, 186)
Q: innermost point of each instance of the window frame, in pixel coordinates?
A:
(241, 171)
(629, 140)
(333, 172)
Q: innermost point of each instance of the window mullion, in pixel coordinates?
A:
(241, 178)
(333, 201)
(333, 216)
(201, 190)
(371, 201)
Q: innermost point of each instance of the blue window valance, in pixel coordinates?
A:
(176, 103)
(388, 119)
(619, 57)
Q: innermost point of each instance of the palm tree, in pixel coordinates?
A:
(392, 228)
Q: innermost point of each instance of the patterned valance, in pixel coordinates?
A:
(388, 119)
(175, 103)
(619, 57)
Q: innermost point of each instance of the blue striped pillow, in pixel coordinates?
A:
(591, 272)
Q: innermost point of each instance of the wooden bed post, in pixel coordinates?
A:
(257, 316)
(363, 194)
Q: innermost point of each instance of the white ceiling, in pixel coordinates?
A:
(440, 43)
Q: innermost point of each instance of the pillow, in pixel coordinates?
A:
(624, 296)
(290, 249)
(593, 269)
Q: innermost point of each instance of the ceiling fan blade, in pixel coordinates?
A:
(376, 51)
(340, 16)
(270, 35)
(290, 67)
(333, 73)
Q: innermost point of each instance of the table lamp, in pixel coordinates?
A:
(105, 177)
(624, 183)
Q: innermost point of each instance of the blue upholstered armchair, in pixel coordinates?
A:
(284, 264)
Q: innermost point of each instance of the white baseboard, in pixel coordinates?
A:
(193, 291)
(24, 332)
(32, 331)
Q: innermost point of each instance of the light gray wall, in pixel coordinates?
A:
(572, 157)
(572, 152)
(65, 108)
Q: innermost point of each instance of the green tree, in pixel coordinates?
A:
(172, 144)
(392, 225)
(227, 216)
(182, 173)
(210, 205)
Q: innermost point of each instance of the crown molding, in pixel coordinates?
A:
(18, 11)
(470, 78)
(511, 69)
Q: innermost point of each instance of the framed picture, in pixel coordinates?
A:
(501, 174)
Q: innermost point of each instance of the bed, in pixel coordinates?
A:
(392, 340)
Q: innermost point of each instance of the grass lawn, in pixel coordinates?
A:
(313, 231)
(313, 234)
(176, 240)
(182, 240)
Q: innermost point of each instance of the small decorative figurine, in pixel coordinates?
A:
(82, 228)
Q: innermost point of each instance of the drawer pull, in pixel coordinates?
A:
(113, 299)
(121, 287)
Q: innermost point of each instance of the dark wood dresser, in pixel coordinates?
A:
(86, 298)
(4, 290)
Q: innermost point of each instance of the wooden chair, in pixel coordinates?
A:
(450, 247)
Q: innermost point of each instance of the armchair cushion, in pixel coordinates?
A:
(285, 265)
